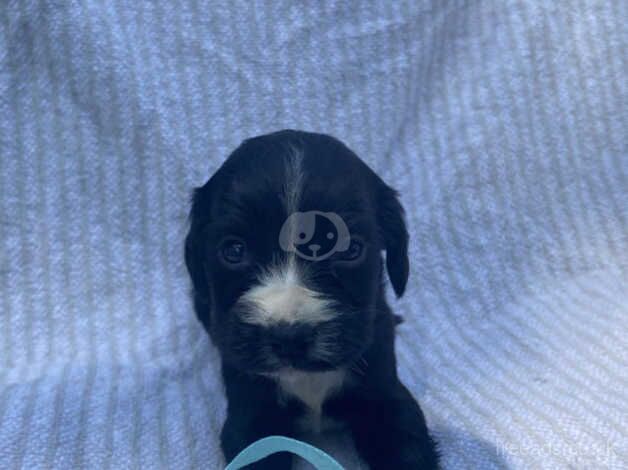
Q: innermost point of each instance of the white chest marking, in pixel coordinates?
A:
(312, 389)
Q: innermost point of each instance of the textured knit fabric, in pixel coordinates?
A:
(503, 124)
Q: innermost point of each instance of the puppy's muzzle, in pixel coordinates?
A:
(290, 343)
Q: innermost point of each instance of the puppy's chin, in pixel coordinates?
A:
(290, 370)
(334, 344)
(274, 368)
(269, 365)
(306, 365)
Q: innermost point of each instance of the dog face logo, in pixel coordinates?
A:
(314, 235)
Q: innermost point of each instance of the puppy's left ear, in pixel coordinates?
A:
(194, 255)
(392, 225)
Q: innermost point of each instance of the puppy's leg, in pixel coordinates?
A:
(253, 420)
(389, 431)
(254, 412)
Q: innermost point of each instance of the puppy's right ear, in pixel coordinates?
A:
(391, 218)
(194, 246)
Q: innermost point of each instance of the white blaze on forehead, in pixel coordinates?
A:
(281, 296)
(294, 179)
(292, 188)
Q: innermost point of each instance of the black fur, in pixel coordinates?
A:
(244, 199)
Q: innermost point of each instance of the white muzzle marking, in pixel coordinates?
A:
(282, 297)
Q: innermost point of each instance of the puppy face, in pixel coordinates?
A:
(285, 253)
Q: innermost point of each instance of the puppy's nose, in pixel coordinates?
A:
(288, 341)
(314, 247)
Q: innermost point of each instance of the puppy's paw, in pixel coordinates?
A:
(417, 456)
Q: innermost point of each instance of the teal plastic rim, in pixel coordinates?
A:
(273, 444)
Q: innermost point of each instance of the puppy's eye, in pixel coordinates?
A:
(233, 252)
(354, 252)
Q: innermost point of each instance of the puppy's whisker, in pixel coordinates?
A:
(357, 370)
(359, 366)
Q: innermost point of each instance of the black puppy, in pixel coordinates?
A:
(297, 311)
